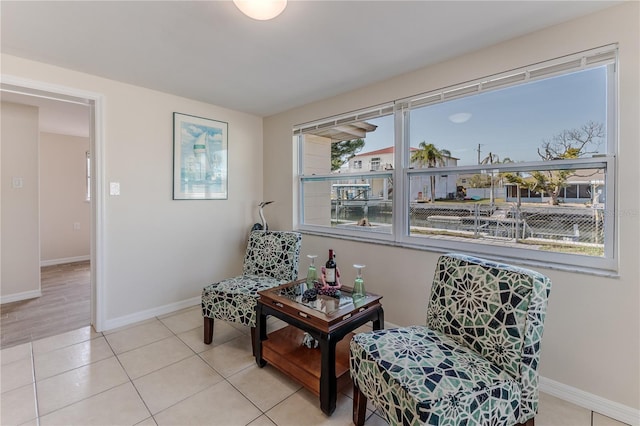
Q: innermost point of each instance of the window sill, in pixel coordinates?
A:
(481, 250)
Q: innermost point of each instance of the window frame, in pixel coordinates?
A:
(607, 262)
(87, 163)
(402, 172)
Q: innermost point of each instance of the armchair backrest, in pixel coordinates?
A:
(495, 309)
(273, 254)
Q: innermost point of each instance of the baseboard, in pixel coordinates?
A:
(63, 260)
(590, 401)
(111, 324)
(20, 296)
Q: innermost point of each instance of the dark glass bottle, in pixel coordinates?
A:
(330, 270)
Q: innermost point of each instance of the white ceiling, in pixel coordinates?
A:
(209, 51)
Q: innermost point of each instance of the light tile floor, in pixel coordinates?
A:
(158, 372)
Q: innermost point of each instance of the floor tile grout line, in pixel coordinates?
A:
(130, 380)
(114, 355)
(35, 385)
(224, 379)
(245, 396)
(173, 334)
(82, 399)
(70, 344)
(70, 369)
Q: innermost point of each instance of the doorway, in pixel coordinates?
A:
(65, 101)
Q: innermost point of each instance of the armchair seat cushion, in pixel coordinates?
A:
(234, 299)
(421, 376)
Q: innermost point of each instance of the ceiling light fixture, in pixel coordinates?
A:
(261, 10)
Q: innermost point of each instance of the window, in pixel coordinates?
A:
(522, 162)
(336, 192)
(375, 164)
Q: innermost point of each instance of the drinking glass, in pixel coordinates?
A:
(312, 273)
(358, 293)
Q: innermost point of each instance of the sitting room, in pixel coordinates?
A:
(388, 143)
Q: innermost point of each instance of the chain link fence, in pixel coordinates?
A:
(556, 228)
(565, 228)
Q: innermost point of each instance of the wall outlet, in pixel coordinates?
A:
(76, 226)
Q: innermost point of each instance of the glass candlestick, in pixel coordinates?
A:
(358, 293)
(312, 273)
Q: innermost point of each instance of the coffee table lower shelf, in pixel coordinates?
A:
(284, 350)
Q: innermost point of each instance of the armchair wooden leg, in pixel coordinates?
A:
(529, 422)
(208, 330)
(359, 406)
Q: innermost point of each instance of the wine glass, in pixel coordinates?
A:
(312, 273)
(358, 293)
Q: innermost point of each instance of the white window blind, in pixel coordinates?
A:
(583, 60)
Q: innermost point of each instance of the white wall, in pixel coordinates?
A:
(160, 253)
(20, 276)
(63, 198)
(592, 334)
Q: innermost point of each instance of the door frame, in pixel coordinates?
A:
(95, 101)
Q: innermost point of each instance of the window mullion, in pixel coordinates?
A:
(401, 197)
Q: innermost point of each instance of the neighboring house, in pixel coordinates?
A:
(578, 189)
(382, 159)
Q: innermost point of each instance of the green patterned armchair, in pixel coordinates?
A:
(271, 259)
(475, 362)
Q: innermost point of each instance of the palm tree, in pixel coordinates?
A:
(428, 154)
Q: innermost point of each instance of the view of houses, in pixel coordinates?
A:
(482, 203)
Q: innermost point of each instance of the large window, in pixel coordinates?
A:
(522, 162)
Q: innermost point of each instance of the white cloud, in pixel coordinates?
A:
(461, 117)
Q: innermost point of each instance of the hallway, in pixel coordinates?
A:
(65, 305)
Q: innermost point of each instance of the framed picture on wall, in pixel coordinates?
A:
(199, 158)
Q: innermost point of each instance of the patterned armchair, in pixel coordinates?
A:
(476, 361)
(271, 259)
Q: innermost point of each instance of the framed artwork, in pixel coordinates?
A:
(199, 158)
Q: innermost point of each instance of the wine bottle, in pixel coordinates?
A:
(330, 270)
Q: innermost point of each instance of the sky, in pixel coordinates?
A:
(512, 122)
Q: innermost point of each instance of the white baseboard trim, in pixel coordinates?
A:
(111, 324)
(20, 296)
(63, 260)
(590, 401)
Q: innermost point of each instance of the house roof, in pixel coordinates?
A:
(388, 150)
(345, 132)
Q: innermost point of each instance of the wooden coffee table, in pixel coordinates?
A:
(329, 320)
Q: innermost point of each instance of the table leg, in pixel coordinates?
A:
(328, 382)
(378, 323)
(261, 334)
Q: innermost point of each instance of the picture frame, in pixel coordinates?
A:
(200, 147)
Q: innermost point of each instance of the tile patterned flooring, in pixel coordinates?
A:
(158, 372)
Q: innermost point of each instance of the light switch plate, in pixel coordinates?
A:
(16, 182)
(114, 188)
